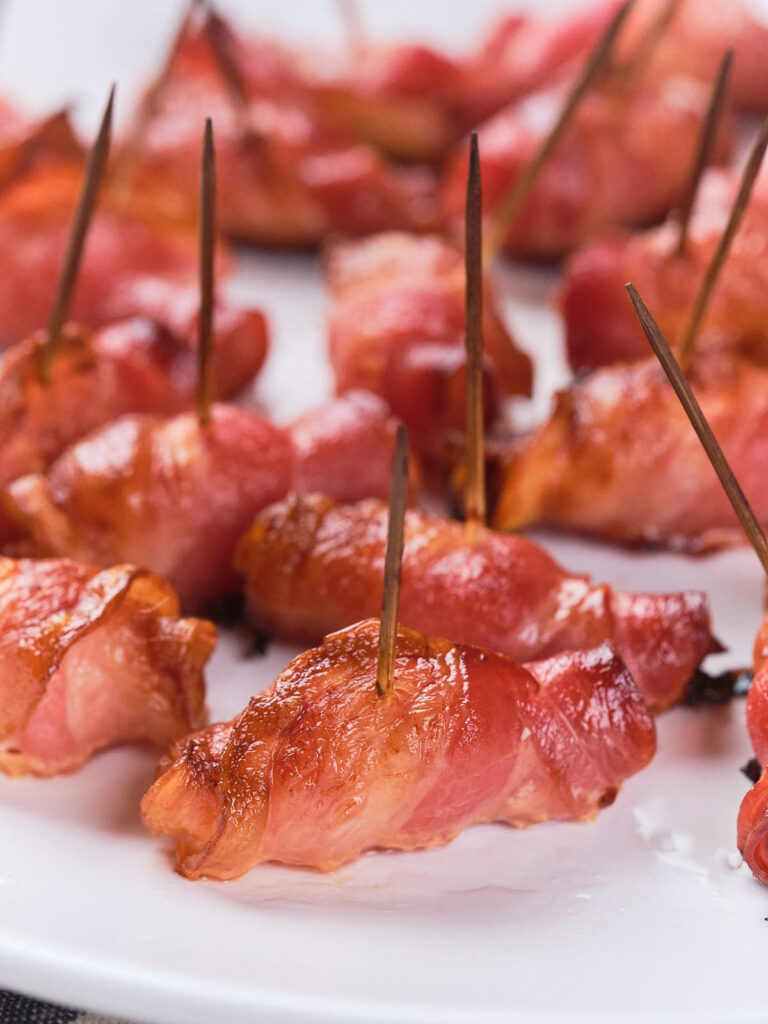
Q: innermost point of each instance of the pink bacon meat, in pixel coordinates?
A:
(93, 658)
(319, 768)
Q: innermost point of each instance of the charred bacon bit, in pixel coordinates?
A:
(312, 567)
(468, 736)
(90, 659)
(752, 770)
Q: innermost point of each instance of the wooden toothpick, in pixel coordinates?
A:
(150, 104)
(752, 169)
(225, 55)
(688, 400)
(474, 503)
(704, 149)
(513, 200)
(204, 397)
(94, 175)
(393, 564)
(349, 11)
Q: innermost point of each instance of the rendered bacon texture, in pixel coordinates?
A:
(601, 325)
(287, 175)
(93, 658)
(397, 328)
(133, 265)
(618, 457)
(319, 768)
(312, 566)
(135, 366)
(175, 496)
(623, 161)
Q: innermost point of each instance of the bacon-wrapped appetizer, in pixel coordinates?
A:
(312, 566)
(623, 160)
(698, 33)
(132, 265)
(464, 736)
(175, 495)
(134, 366)
(524, 53)
(617, 457)
(601, 326)
(397, 328)
(289, 176)
(93, 658)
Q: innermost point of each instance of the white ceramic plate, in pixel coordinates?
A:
(646, 915)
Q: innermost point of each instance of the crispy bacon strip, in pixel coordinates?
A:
(624, 161)
(133, 265)
(135, 366)
(617, 457)
(319, 768)
(287, 175)
(93, 658)
(312, 566)
(175, 496)
(397, 328)
(601, 326)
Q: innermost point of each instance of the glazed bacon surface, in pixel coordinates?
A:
(623, 161)
(133, 265)
(601, 325)
(312, 566)
(135, 366)
(319, 768)
(618, 457)
(397, 328)
(288, 176)
(175, 496)
(93, 658)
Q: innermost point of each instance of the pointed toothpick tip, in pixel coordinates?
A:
(94, 175)
(703, 155)
(688, 400)
(474, 502)
(207, 231)
(716, 264)
(393, 564)
(512, 202)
